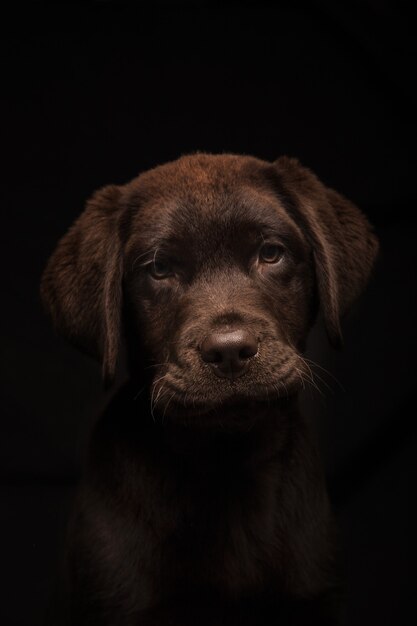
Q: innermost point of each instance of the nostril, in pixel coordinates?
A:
(212, 356)
(248, 350)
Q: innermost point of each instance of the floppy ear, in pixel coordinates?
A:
(82, 283)
(343, 242)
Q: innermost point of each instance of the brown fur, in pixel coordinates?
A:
(205, 491)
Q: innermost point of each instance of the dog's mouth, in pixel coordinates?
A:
(231, 404)
(190, 393)
(235, 415)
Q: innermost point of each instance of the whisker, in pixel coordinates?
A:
(325, 371)
(278, 386)
(155, 402)
(139, 393)
(301, 377)
(313, 376)
(156, 381)
(154, 387)
(166, 406)
(155, 365)
(285, 387)
(311, 382)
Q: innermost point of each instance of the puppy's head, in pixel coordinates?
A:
(212, 267)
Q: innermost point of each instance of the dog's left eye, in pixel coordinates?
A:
(271, 253)
(160, 269)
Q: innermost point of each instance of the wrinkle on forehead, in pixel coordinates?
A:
(208, 216)
(267, 211)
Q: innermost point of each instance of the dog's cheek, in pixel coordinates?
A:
(152, 313)
(293, 303)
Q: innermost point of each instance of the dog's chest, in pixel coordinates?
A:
(218, 523)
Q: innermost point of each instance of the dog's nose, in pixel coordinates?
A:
(228, 352)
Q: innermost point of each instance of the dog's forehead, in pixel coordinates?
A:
(203, 206)
(203, 221)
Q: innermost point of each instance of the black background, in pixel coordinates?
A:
(93, 93)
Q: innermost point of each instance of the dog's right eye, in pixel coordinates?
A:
(271, 253)
(160, 268)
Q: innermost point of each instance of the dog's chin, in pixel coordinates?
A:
(234, 411)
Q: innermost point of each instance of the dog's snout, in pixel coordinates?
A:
(228, 352)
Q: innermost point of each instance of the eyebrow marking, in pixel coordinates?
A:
(264, 207)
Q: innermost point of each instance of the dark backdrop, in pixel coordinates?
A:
(93, 93)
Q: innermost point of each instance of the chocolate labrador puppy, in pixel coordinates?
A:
(203, 500)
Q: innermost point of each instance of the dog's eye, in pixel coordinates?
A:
(160, 268)
(271, 253)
